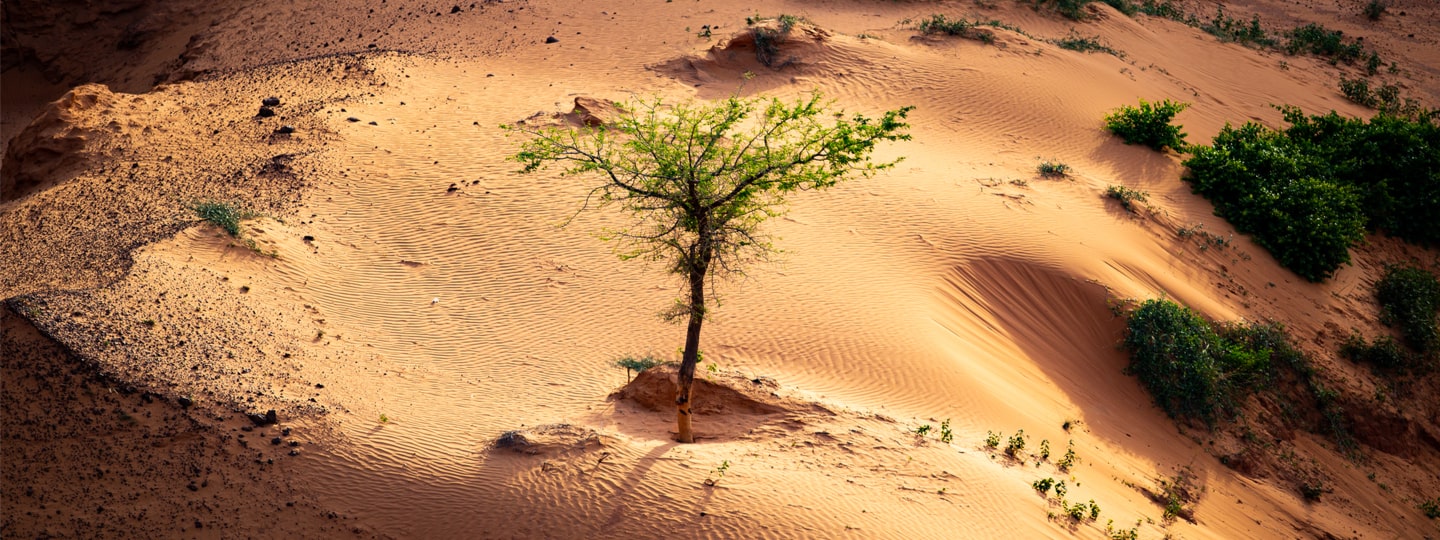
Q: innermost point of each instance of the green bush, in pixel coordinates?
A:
(1050, 169)
(1076, 42)
(1410, 301)
(1318, 40)
(1374, 10)
(638, 365)
(1127, 197)
(224, 215)
(1191, 369)
(1072, 9)
(1430, 508)
(1234, 30)
(1384, 352)
(1309, 191)
(1148, 124)
(1393, 163)
(938, 24)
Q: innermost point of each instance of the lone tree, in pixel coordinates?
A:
(700, 178)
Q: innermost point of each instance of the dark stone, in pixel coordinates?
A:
(308, 238)
(318, 385)
(199, 525)
(551, 39)
(453, 188)
(285, 130)
(264, 420)
(276, 441)
(352, 119)
(266, 112)
(294, 452)
(192, 487)
(372, 122)
(455, 9)
(285, 432)
(185, 402)
(271, 101)
(294, 443)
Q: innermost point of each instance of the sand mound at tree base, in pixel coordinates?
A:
(715, 393)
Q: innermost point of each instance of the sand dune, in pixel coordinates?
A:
(406, 299)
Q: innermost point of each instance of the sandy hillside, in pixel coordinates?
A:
(438, 351)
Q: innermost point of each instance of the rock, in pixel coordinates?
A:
(454, 10)
(266, 112)
(294, 443)
(551, 39)
(271, 101)
(352, 119)
(285, 130)
(595, 112)
(308, 238)
(294, 452)
(285, 432)
(453, 188)
(372, 122)
(192, 487)
(318, 385)
(264, 420)
(276, 441)
(185, 401)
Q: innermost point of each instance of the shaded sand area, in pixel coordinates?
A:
(439, 351)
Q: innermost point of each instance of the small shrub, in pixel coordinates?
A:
(923, 430)
(1069, 459)
(1374, 9)
(1410, 301)
(1176, 496)
(946, 436)
(1312, 490)
(1167, 9)
(227, 216)
(1431, 508)
(939, 24)
(1053, 170)
(717, 474)
(767, 40)
(1320, 41)
(1071, 9)
(1044, 449)
(1127, 197)
(992, 440)
(1384, 352)
(1234, 30)
(1358, 91)
(1076, 42)
(1132, 533)
(1016, 444)
(638, 365)
(1043, 485)
(1149, 124)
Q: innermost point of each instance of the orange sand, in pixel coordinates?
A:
(961, 286)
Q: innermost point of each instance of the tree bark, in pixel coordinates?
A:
(698, 267)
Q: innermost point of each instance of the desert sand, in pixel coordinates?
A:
(438, 350)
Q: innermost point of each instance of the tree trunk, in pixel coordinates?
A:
(698, 267)
(687, 370)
